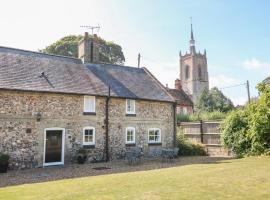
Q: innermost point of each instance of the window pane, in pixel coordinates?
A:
(130, 105)
(154, 135)
(130, 135)
(89, 104)
(88, 135)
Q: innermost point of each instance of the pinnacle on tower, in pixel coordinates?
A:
(192, 41)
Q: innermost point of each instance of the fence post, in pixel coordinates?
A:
(201, 130)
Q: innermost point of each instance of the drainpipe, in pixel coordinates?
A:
(174, 124)
(107, 125)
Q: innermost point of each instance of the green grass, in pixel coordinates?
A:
(247, 178)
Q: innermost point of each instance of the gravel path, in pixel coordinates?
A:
(112, 167)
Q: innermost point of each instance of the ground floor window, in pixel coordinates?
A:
(89, 136)
(130, 135)
(154, 135)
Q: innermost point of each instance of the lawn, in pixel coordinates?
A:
(247, 178)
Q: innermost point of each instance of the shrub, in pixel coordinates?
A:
(187, 148)
(216, 115)
(81, 157)
(234, 132)
(247, 131)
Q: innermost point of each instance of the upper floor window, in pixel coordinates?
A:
(130, 135)
(187, 72)
(130, 106)
(89, 104)
(154, 135)
(89, 136)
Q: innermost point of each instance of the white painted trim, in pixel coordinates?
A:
(130, 112)
(63, 146)
(154, 129)
(84, 103)
(134, 136)
(94, 135)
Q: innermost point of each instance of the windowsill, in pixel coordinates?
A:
(130, 115)
(88, 146)
(154, 143)
(89, 113)
(130, 144)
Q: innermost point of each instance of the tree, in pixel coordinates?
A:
(213, 100)
(109, 52)
(247, 131)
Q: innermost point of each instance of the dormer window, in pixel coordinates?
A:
(130, 106)
(89, 104)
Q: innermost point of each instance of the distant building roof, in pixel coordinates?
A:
(180, 97)
(34, 71)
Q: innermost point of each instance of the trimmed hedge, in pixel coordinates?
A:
(216, 115)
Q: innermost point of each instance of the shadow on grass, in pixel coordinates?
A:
(113, 167)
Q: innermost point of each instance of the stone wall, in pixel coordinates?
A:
(22, 135)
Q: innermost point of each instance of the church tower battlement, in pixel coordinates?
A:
(193, 70)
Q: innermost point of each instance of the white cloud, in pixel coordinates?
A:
(222, 80)
(239, 100)
(255, 64)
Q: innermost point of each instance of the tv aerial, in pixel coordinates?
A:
(92, 28)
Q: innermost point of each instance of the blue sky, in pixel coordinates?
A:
(234, 33)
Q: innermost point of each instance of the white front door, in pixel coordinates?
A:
(54, 143)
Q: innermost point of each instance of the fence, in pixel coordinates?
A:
(207, 133)
(202, 132)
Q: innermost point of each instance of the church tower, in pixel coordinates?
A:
(193, 70)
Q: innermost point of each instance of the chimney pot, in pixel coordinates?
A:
(85, 35)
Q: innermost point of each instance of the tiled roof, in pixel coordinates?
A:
(130, 82)
(34, 71)
(181, 97)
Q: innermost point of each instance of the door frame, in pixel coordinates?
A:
(63, 146)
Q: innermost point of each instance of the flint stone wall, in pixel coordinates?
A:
(22, 135)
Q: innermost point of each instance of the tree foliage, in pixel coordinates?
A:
(247, 131)
(109, 52)
(213, 100)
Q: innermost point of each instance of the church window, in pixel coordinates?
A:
(187, 72)
(199, 72)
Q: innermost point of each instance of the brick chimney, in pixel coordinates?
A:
(88, 49)
(177, 84)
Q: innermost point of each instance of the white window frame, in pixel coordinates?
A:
(134, 135)
(85, 101)
(94, 135)
(154, 129)
(62, 150)
(130, 112)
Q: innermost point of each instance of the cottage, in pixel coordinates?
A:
(51, 106)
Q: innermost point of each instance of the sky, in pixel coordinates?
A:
(235, 34)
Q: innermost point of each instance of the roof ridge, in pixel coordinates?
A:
(157, 82)
(117, 65)
(39, 53)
